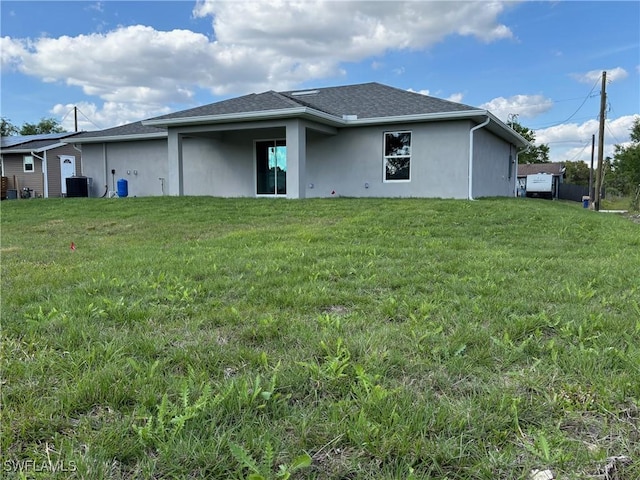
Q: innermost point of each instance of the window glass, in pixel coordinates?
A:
(28, 164)
(397, 156)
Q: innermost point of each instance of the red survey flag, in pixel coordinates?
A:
(73, 247)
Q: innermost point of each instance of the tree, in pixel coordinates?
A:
(535, 153)
(577, 173)
(7, 128)
(625, 165)
(46, 125)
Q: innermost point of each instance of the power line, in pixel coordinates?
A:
(66, 115)
(589, 95)
(580, 152)
(549, 125)
(83, 114)
(89, 120)
(612, 134)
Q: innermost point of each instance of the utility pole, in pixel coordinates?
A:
(591, 191)
(603, 104)
(75, 118)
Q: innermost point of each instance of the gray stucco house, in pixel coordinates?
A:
(366, 140)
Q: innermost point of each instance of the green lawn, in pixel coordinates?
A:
(214, 338)
(618, 203)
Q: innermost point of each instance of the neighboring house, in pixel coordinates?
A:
(39, 163)
(555, 169)
(367, 140)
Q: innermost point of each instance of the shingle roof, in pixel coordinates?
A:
(34, 142)
(366, 100)
(136, 128)
(533, 168)
(254, 102)
(373, 100)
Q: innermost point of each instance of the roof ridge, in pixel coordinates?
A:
(302, 103)
(286, 98)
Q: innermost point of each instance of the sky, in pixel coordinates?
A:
(539, 63)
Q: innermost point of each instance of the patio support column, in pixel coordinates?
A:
(175, 181)
(296, 159)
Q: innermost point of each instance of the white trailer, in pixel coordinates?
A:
(540, 185)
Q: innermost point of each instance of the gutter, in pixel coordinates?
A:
(345, 121)
(477, 127)
(120, 138)
(311, 113)
(245, 116)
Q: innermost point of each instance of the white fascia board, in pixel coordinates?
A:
(309, 113)
(419, 117)
(120, 138)
(479, 115)
(16, 150)
(328, 119)
(246, 116)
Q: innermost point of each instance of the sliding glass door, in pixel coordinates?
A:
(271, 167)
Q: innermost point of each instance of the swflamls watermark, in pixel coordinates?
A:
(30, 465)
(24, 465)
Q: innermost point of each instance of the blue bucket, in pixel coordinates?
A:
(123, 188)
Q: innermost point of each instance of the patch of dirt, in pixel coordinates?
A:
(336, 310)
(336, 463)
(634, 217)
(614, 469)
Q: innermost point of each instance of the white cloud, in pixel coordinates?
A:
(12, 52)
(255, 46)
(130, 65)
(568, 140)
(97, 6)
(593, 76)
(527, 106)
(353, 29)
(456, 97)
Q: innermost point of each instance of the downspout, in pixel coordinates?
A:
(477, 127)
(45, 180)
(104, 162)
(518, 163)
(80, 151)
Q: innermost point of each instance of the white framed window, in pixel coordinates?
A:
(397, 156)
(27, 164)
